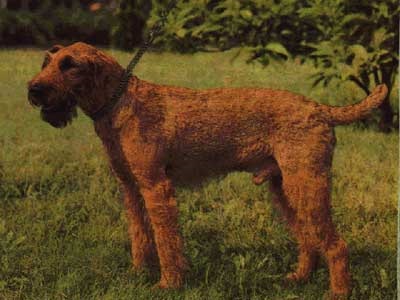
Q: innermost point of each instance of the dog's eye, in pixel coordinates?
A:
(67, 63)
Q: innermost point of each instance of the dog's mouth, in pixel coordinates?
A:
(60, 114)
(58, 117)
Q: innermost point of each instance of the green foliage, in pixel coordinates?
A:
(176, 34)
(131, 17)
(223, 24)
(79, 24)
(63, 231)
(357, 46)
(49, 23)
(361, 47)
(23, 27)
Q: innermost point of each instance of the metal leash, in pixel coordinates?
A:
(155, 30)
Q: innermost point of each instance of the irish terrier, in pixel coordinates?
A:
(157, 135)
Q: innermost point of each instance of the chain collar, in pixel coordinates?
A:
(127, 74)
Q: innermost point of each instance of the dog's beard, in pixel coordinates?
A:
(61, 114)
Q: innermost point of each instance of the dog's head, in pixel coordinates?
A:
(77, 75)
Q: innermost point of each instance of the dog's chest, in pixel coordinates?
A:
(118, 162)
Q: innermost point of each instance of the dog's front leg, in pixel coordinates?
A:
(161, 206)
(143, 248)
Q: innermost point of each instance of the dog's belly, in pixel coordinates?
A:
(196, 164)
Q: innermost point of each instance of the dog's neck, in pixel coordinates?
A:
(104, 85)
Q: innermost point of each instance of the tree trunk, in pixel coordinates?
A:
(3, 3)
(386, 121)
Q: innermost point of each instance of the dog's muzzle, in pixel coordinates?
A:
(37, 94)
(57, 113)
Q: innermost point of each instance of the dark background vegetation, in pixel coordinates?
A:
(348, 40)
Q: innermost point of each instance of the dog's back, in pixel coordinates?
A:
(224, 129)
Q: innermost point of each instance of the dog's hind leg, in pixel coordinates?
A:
(143, 247)
(306, 185)
(307, 257)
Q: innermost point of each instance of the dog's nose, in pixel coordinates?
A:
(37, 89)
(37, 94)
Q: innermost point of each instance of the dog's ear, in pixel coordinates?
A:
(55, 49)
(49, 53)
(95, 68)
(46, 60)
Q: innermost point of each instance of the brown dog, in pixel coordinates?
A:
(156, 135)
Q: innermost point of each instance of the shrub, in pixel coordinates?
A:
(49, 23)
(130, 18)
(223, 24)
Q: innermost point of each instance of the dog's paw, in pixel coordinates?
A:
(329, 295)
(295, 277)
(292, 277)
(171, 281)
(161, 285)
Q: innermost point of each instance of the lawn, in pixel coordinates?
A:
(63, 232)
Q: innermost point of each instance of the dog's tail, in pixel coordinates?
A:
(360, 110)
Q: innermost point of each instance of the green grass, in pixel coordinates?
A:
(63, 232)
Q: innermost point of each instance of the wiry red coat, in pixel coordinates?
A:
(157, 136)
